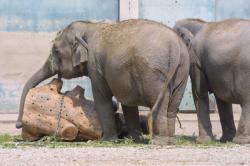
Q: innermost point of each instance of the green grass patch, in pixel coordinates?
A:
(191, 141)
(7, 141)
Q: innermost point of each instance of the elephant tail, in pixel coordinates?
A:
(163, 98)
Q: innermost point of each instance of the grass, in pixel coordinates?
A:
(191, 141)
(7, 141)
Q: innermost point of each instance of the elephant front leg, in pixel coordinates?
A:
(227, 120)
(204, 122)
(243, 131)
(201, 100)
(106, 114)
(131, 115)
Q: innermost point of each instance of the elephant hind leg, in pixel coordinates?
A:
(132, 120)
(159, 124)
(243, 131)
(227, 120)
(165, 122)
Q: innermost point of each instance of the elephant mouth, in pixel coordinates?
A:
(70, 76)
(59, 76)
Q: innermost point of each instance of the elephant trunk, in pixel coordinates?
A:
(41, 75)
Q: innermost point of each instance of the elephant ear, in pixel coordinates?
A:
(80, 53)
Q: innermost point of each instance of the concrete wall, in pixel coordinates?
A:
(232, 9)
(52, 15)
(27, 28)
(168, 11)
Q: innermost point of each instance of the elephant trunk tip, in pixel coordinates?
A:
(19, 124)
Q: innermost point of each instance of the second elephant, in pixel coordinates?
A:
(220, 63)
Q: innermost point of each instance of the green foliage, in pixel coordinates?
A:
(5, 138)
(7, 141)
(52, 63)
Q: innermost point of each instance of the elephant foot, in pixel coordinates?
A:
(226, 138)
(203, 139)
(19, 124)
(242, 140)
(163, 140)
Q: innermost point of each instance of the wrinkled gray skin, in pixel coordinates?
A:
(220, 63)
(141, 63)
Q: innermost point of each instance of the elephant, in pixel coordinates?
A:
(220, 64)
(140, 62)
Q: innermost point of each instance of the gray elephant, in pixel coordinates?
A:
(220, 64)
(140, 62)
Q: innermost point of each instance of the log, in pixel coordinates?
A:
(42, 106)
(36, 126)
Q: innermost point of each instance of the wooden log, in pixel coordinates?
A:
(37, 125)
(44, 104)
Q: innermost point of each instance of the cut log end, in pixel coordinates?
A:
(69, 133)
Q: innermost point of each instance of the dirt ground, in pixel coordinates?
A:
(127, 156)
(231, 154)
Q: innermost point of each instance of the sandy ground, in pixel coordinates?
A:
(126, 156)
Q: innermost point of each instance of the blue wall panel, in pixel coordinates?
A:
(168, 11)
(232, 9)
(51, 15)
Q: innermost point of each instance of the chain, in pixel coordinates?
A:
(59, 116)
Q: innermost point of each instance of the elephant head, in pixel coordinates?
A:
(193, 25)
(187, 37)
(68, 58)
(185, 34)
